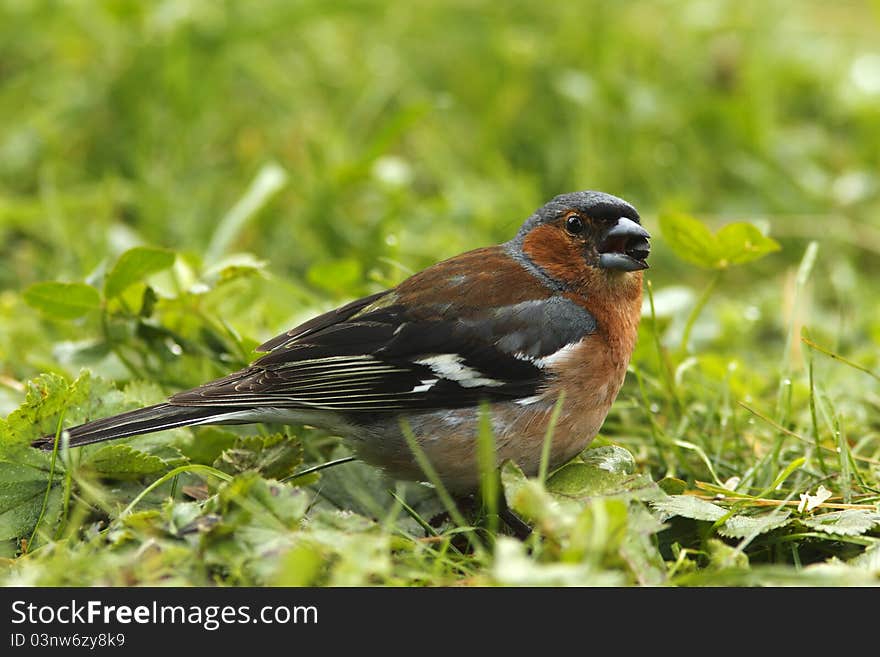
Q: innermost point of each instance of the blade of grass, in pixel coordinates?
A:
(49, 483)
(490, 485)
(318, 468)
(846, 459)
(548, 438)
(702, 454)
(192, 467)
(814, 418)
(763, 502)
(698, 309)
(782, 476)
(855, 540)
(783, 397)
(433, 535)
(845, 477)
(412, 513)
(721, 490)
(838, 357)
(663, 361)
(270, 179)
(789, 432)
(68, 484)
(747, 540)
(449, 504)
(660, 441)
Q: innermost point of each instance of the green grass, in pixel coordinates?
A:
(282, 161)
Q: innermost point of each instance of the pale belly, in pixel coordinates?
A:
(449, 438)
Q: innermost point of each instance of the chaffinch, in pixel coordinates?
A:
(554, 309)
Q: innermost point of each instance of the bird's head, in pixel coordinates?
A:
(575, 236)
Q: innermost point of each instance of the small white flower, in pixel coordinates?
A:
(809, 502)
(732, 483)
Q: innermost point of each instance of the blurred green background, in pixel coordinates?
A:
(344, 145)
(409, 132)
(416, 130)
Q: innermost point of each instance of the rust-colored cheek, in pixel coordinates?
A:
(557, 254)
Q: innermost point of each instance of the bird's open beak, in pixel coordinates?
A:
(625, 247)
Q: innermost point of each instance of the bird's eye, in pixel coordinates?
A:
(574, 224)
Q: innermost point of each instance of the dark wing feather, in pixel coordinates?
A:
(375, 355)
(321, 322)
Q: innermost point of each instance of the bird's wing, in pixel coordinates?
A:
(389, 354)
(384, 361)
(321, 322)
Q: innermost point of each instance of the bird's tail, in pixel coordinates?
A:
(133, 423)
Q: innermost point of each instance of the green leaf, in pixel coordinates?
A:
(600, 528)
(690, 239)
(734, 244)
(512, 479)
(742, 242)
(584, 480)
(301, 566)
(276, 503)
(232, 267)
(46, 396)
(672, 485)
(530, 499)
(123, 462)
(261, 513)
(722, 556)
(133, 266)
(580, 479)
(246, 526)
(22, 489)
(62, 300)
(743, 526)
(610, 458)
(208, 445)
(513, 566)
(639, 547)
(274, 457)
(869, 559)
(355, 549)
(689, 506)
(849, 522)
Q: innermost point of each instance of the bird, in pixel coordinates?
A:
(546, 319)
